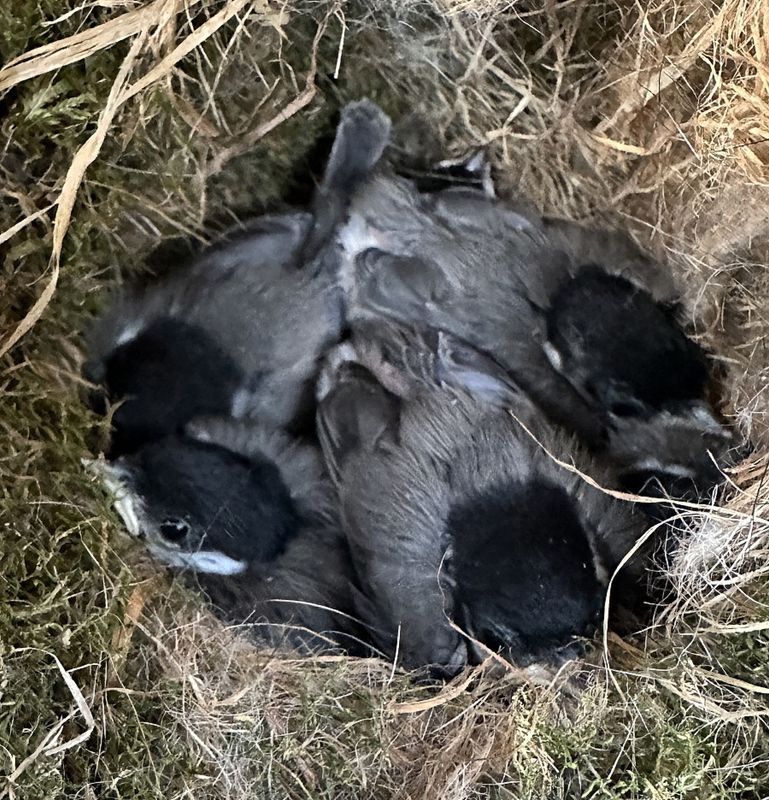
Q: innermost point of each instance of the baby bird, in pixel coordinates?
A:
(455, 515)
(249, 514)
(241, 331)
(582, 320)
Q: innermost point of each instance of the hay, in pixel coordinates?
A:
(129, 123)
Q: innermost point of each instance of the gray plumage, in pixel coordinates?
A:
(581, 318)
(303, 598)
(241, 330)
(213, 366)
(264, 545)
(426, 473)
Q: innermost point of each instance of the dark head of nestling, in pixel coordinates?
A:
(201, 506)
(164, 376)
(628, 356)
(526, 579)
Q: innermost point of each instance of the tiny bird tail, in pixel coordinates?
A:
(361, 138)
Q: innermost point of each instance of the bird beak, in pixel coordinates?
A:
(113, 479)
(706, 421)
(108, 474)
(688, 442)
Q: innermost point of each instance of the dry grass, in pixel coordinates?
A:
(126, 123)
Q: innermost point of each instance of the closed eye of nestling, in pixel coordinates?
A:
(619, 401)
(628, 408)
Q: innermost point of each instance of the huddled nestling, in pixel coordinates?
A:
(413, 420)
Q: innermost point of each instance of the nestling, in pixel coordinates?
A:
(456, 516)
(239, 332)
(584, 322)
(249, 516)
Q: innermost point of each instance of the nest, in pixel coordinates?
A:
(128, 124)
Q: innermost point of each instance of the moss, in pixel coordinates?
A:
(182, 708)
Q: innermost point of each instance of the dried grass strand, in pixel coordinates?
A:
(49, 745)
(88, 153)
(75, 48)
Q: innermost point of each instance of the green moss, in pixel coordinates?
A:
(68, 576)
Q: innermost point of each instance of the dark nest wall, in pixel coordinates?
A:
(127, 125)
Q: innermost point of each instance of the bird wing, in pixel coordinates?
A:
(360, 141)
(356, 414)
(490, 348)
(392, 491)
(408, 359)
